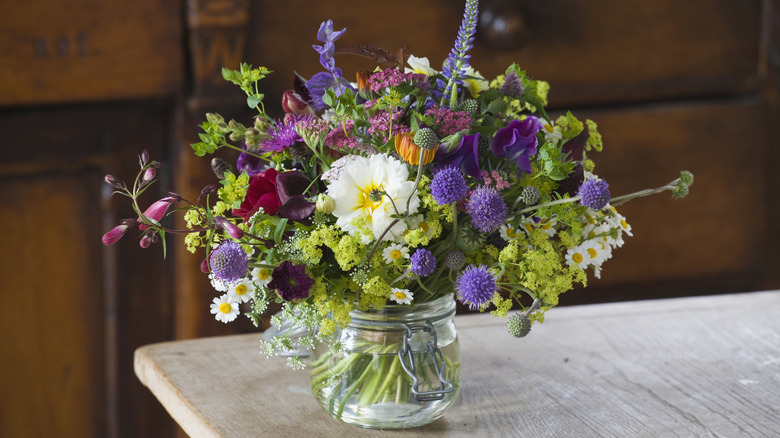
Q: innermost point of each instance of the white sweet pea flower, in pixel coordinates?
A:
(419, 66)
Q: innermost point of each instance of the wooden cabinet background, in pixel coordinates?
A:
(86, 86)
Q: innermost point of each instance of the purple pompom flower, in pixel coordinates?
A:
(423, 262)
(475, 286)
(229, 262)
(594, 194)
(448, 186)
(487, 209)
(291, 281)
(517, 142)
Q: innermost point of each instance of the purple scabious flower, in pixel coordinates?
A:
(487, 209)
(594, 194)
(423, 262)
(291, 281)
(459, 57)
(475, 286)
(517, 142)
(229, 262)
(448, 186)
(465, 156)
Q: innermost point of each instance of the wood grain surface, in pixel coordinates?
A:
(703, 366)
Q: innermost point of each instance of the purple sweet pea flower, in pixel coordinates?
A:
(517, 142)
(465, 156)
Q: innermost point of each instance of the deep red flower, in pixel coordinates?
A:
(261, 193)
(283, 194)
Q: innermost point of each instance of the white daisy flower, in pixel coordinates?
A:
(371, 188)
(508, 232)
(261, 276)
(597, 252)
(242, 291)
(395, 252)
(419, 66)
(552, 133)
(545, 224)
(219, 284)
(418, 221)
(579, 255)
(224, 308)
(401, 296)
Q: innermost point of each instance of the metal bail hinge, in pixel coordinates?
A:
(406, 356)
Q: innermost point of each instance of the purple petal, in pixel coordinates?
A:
(296, 208)
(292, 183)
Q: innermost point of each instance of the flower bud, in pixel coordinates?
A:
(208, 190)
(147, 239)
(232, 229)
(144, 158)
(686, 178)
(157, 210)
(214, 118)
(518, 325)
(204, 266)
(325, 204)
(115, 234)
(293, 103)
(149, 175)
(114, 182)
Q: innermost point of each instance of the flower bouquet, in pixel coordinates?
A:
(374, 204)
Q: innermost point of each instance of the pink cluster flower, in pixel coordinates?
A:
(336, 139)
(448, 121)
(391, 77)
(383, 121)
(489, 177)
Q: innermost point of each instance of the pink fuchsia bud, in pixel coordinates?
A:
(147, 239)
(115, 234)
(149, 175)
(293, 103)
(232, 229)
(157, 210)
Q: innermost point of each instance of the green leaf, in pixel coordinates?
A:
(254, 100)
(279, 231)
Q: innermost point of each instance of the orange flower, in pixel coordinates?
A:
(362, 81)
(410, 152)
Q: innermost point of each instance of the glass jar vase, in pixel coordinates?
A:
(397, 368)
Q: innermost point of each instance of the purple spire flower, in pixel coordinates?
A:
(448, 186)
(423, 262)
(594, 194)
(459, 57)
(229, 262)
(487, 208)
(475, 286)
(291, 281)
(322, 81)
(328, 36)
(465, 156)
(517, 142)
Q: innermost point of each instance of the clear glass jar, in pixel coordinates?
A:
(399, 367)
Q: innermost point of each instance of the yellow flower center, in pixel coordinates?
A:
(241, 289)
(366, 194)
(225, 307)
(262, 274)
(395, 254)
(592, 253)
(424, 226)
(624, 224)
(548, 127)
(577, 257)
(510, 232)
(400, 295)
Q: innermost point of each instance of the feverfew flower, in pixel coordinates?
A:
(580, 255)
(371, 189)
(508, 232)
(395, 252)
(261, 276)
(401, 296)
(224, 308)
(242, 291)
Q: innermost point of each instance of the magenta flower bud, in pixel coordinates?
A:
(149, 175)
(144, 158)
(204, 266)
(293, 103)
(157, 210)
(115, 234)
(232, 229)
(208, 190)
(114, 181)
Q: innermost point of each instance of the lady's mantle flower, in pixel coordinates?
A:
(487, 209)
(475, 286)
(594, 194)
(448, 186)
(242, 291)
(395, 252)
(401, 296)
(291, 281)
(423, 262)
(371, 189)
(224, 308)
(229, 262)
(517, 142)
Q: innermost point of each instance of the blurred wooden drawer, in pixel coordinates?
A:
(590, 51)
(81, 50)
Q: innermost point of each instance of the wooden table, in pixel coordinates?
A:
(704, 366)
